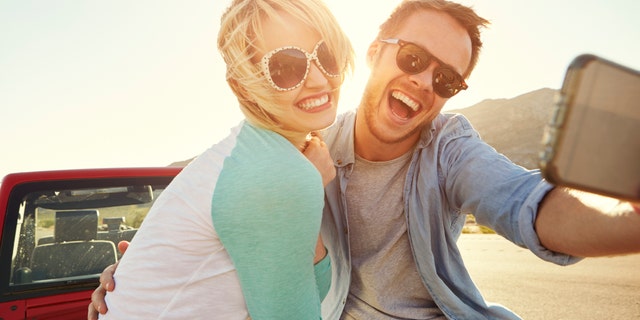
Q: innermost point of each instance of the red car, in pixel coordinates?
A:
(60, 229)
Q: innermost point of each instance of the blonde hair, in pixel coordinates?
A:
(241, 26)
(465, 16)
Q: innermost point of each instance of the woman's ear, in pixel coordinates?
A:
(372, 52)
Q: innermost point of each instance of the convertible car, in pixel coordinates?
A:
(60, 229)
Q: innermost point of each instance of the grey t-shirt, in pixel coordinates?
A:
(385, 283)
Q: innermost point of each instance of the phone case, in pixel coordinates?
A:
(592, 141)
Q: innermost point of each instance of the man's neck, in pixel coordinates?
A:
(370, 148)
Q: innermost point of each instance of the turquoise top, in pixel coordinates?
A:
(266, 208)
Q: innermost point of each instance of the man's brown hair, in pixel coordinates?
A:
(465, 16)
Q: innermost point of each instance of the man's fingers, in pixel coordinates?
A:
(122, 246)
(106, 277)
(92, 314)
(107, 283)
(97, 304)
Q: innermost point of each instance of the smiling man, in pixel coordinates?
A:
(400, 98)
(407, 176)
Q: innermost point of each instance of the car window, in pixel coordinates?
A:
(72, 233)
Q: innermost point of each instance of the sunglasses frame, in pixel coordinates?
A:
(313, 56)
(446, 90)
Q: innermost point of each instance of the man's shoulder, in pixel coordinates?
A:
(454, 120)
(453, 124)
(342, 127)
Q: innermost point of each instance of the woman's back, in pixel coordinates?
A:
(250, 183)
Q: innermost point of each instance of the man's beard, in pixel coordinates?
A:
(371, 104)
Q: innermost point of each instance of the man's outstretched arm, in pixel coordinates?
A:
(586, 225)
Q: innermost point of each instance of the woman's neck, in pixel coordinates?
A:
(299, 141)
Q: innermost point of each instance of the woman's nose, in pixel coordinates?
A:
(315, 78)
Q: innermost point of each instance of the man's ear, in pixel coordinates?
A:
(373, 52)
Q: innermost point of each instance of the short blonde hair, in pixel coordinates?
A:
(241, 26)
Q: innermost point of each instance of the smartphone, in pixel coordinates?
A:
(592, 142)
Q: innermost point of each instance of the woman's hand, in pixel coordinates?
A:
(318, 153)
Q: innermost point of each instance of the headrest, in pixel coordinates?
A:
(79, 225)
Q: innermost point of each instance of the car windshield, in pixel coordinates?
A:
(72, 233)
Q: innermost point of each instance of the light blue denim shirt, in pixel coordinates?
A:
(452, 173)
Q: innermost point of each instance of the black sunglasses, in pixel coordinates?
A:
(413, 59)
(286, 68)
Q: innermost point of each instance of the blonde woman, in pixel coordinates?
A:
(235, 235)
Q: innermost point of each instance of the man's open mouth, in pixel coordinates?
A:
(402, 106)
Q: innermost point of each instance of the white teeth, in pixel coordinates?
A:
(314, 103)
(408, 101)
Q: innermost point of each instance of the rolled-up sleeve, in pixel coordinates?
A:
(527, 218)
(499, 193)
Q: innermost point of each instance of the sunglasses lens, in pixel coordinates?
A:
(287, 68)
(446, 82)
(412, 59)
(327, 60)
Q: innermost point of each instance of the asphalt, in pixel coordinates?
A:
(595, 288)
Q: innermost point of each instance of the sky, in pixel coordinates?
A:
(122, 83)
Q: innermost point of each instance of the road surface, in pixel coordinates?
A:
(595, 288)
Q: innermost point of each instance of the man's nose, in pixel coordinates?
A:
(424, 80)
